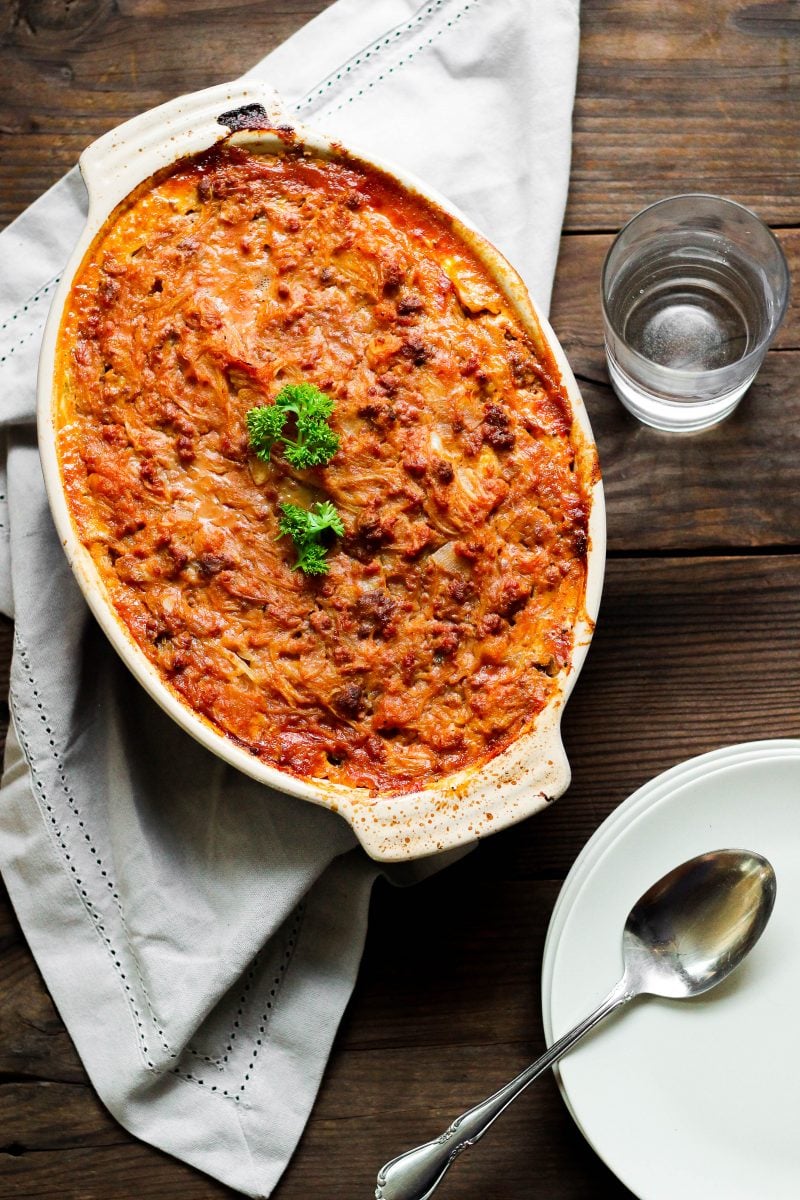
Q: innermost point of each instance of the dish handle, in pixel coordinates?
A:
(114, 164)
(526, 778)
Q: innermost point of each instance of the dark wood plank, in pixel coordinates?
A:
(460, 957)
(688, 97)
(71, 71)
(685, 97)
(734, 487)
(112, 1172)
(33, 1041)
(53, 1116)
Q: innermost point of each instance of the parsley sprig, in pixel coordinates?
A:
(314, 445)
(315, 442)
(305, 528)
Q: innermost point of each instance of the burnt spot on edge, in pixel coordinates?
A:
(249, 116)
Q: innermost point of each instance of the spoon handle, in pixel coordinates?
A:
(417, 1173)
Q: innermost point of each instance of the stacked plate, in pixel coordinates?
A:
(695, 1098)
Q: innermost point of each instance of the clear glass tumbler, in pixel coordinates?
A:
(694, 289)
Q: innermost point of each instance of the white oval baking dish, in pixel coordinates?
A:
(463, 807)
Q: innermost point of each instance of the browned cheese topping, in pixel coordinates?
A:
(449, 606)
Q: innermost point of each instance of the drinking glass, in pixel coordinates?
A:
(694, 289)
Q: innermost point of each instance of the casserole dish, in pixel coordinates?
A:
(459, 806)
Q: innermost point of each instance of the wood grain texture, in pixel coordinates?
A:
(120, 1171)
(690, 96)
(734, 487)
(73, 69)
(696, 645)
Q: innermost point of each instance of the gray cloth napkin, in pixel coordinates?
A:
(200, 934)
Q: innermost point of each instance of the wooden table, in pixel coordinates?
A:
(696, 645)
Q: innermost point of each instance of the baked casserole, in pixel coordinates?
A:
(445, 609)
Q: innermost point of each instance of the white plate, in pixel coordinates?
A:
(690, 1099)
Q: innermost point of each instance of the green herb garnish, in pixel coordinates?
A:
(315, 443)
(305, 528)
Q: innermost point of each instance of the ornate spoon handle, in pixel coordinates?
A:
(416, 1174)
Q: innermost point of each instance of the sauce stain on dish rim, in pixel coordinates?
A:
(531, 772)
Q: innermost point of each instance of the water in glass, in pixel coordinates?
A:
(693, 308)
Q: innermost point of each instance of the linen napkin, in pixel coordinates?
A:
(199, 934)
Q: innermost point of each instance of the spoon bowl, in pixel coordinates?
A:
(689, 930)
(681, 938)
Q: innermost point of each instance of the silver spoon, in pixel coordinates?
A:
(684, 936)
